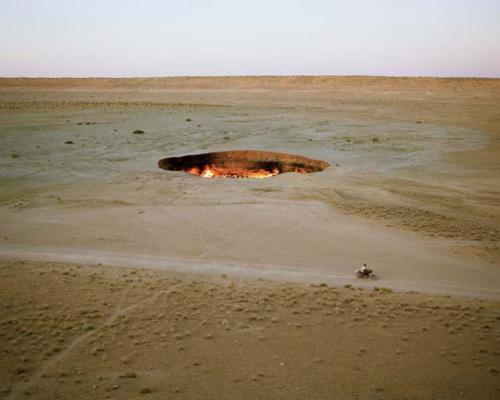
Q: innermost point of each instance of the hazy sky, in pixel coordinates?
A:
(249, 37)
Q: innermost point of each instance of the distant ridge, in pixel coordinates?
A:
(261, 82)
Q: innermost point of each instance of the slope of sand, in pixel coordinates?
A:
(412, 190)
(78, 331)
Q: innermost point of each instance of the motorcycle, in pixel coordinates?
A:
(366, 274)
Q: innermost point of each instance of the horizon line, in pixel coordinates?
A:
(254, 76)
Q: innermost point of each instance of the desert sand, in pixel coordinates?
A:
(122, 280)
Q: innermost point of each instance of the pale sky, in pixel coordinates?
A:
(113, 38)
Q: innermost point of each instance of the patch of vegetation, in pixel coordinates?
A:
(118, 159)
(138, 132)
(188, 119)
(406, 149)
(266, 189)
(68, 142)
(383, 290)
(375, 140)
(15, 156)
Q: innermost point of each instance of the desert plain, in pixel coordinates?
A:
(120, 280)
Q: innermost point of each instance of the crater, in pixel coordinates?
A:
(242, 164)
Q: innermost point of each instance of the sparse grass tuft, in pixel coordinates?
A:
(266, 189)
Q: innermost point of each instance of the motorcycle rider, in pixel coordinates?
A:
(364, 271)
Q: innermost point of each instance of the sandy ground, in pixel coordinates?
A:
(96, 332)
(413, 191)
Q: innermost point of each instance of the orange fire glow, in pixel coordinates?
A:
(212, 171)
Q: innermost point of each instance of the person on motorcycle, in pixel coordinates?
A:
(364, 271)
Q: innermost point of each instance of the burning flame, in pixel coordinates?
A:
(211, 171)
(207, 173)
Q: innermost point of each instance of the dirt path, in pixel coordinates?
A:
(414, 280)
